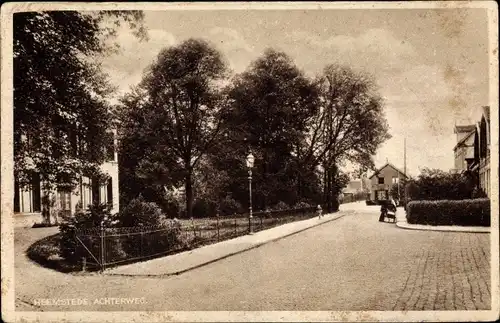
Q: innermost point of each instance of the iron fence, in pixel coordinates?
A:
(103, 247)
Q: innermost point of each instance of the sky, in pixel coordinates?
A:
(431, 65)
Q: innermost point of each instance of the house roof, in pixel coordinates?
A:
(464, 139)
(464, 128)
(388, 165)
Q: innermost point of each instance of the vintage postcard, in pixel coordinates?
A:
(234, 162)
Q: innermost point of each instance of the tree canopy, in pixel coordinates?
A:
(300, 130)
(61, 113)
(181, 111)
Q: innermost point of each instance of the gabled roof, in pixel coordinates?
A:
(465, 128)
(388, 165)
(464, 139)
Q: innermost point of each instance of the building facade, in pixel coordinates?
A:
(481, 162)
(28, 199)
(477, 143)
(464, 149)
(382, 181)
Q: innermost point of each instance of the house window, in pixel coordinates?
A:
(64, 197)
(86, 193)
(382, 195)
(380, 180)
(395, 180)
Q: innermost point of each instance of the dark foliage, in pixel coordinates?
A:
(471, 212)
(61, 116)
(92, 218)
(434, 184)
(141, 213)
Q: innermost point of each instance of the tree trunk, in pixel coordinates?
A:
(46, 207)
(329, 191)
(265, 182)
(189, 193)
(325, 187)
(299, 188)
(335, 191)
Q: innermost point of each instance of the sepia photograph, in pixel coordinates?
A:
(249, 161)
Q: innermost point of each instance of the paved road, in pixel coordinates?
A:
(354, 263)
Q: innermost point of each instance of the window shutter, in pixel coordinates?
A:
(96, 197)
(17, 200)
(110, 190)
(35, 187)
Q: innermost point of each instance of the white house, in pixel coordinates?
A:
(382, 180)
(28, 199)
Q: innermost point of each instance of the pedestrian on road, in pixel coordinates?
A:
(386, 207)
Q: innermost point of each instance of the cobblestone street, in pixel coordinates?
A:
(354, 263)
(453, 275)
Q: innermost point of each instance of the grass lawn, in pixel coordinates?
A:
(195, 233)
(46, 253)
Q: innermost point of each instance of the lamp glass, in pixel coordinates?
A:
(250, 160)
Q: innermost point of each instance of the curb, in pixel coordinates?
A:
(406, 226)
(176, 273)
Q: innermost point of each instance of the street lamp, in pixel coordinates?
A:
(250, 160)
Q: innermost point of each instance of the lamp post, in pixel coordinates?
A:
(250, 160)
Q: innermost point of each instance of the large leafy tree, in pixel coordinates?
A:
(61, 115)
(349, 126)
(144, 169)
(436, 184)
(181, 112)
(271, 104)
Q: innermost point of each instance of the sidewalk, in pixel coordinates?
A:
(188, 260)
(401, 223)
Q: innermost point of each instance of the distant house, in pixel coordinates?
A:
(28, 199)
(382, 180)
(352, 187)
(464, 149)
(473, 150)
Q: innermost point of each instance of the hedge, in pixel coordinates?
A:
(473, 212)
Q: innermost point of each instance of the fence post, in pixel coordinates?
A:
(217, 215)
(142, 242)
(84, 264)
(103, 260)
(194, 229)
(235, 230)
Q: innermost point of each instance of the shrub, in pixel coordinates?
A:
(302, 205)
(478, 193)
(230, 206)
(472, 212)
(141, 213)
(155, 240)
(203, 209)
(439, 185)
(280, 206)
(82, 219)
